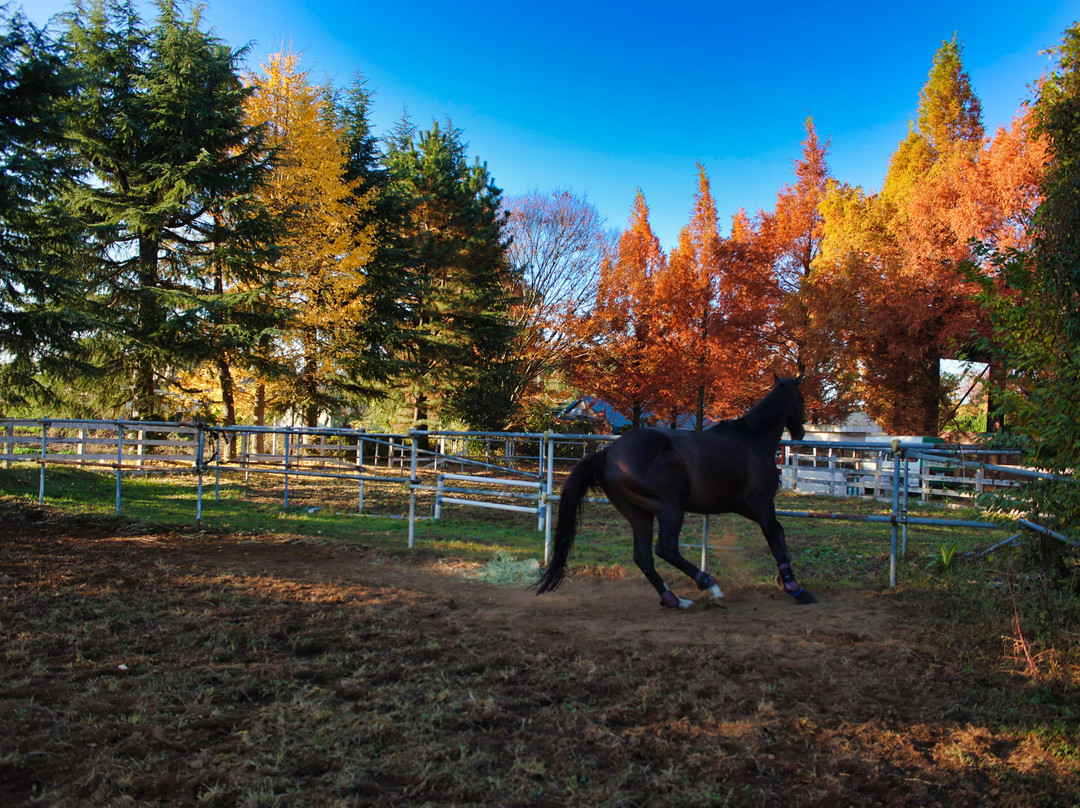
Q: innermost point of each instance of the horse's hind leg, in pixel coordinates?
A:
(667, 547)
(641, 522)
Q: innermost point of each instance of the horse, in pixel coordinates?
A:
(661, 474)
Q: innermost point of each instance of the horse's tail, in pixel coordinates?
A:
(587, 473)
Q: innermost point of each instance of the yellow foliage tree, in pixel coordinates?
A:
(324, 254)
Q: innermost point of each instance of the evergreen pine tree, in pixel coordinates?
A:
(167, 201)
(380, 213)
(40, 300)
(226, 295)
(454, 350)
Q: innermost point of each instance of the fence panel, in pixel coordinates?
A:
(489, 463)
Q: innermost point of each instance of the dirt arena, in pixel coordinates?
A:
(157, 667)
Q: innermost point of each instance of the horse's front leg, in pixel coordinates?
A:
(774, 535)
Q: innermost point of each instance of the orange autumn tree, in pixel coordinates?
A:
(746, 309)
(792, 237)
(1005, 185)
(618, 359)
(692, 351)
(891, 262)
(1003, 191)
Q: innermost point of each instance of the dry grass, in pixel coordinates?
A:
(182, 668)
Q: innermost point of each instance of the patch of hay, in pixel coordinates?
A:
(504, 570)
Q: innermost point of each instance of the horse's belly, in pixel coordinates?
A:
(714, 500)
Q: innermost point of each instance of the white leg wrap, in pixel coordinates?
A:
(714, 592)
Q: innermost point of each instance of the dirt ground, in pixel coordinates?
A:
(158, 667)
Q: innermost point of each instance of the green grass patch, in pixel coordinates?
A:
(846, 553)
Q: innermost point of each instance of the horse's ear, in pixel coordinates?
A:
(802, 372)
(776, 379)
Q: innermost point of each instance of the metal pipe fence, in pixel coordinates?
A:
(488, 469)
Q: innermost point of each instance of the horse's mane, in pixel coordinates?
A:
(730, 423)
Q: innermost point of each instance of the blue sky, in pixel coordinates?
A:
(601, 98)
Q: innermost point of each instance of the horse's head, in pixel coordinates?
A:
(794, 406)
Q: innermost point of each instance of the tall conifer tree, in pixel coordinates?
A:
(621, 351)
(693, 348)
(166, 201)
(454, 349)
(380, 215)
(39, 298)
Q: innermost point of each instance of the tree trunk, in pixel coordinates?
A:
(144, 397)
(420, 420)
(228, 401)
(225, 378)
(260, 418)
(995, 415)
(929, 394)
(309, 389)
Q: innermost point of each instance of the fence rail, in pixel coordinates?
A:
(487, 469)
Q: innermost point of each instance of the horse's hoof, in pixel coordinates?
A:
(718, 602)
(805, 598)
(672, 601)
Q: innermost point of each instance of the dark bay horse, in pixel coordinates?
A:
(662, 474)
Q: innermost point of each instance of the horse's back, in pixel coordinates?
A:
(645, 469)
(714, 471)
(642, 453)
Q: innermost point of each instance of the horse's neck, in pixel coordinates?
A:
(766, 421)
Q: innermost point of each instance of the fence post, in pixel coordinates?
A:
(119, 463)
(217, 467)
(894, 520)
(438, 498)
(9, 434)
(904, 506)
(546, 495)
(288, 435)
(413, 481)
(200, 445)
(41, 473)
(360, 473)
(541, 451)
